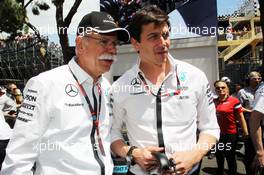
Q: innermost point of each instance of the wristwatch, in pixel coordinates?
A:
(129, 158)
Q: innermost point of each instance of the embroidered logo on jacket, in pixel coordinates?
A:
(71, 90)
(135, 82)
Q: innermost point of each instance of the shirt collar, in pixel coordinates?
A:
(80, 74)
(172, 64)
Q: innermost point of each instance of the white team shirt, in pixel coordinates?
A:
(54, 125)
(6, 104)
(5, 130)
(258, 104)
(181, 114)
(246, 97)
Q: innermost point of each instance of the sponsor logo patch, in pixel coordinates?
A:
(32, 91)
(23, 119)
(28, 106)
(71, 90)
(135, 82)
(25, 113)
(73, 104)
(182, 76)
(30, 98)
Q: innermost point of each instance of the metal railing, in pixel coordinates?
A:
(23, 58)
(238, 70)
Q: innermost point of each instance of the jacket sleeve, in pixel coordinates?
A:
(118, 116)
(207, 121)
(10, 105)
(32, 120)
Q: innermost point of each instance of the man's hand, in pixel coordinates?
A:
(258, 162)
(11, 114)
(144, 158)
(185, 161)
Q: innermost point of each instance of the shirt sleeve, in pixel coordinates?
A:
(32, 120)
(118, 116)
(240, 96)
(207, 121)
(258, 103)
(10, 105)
(237, 106)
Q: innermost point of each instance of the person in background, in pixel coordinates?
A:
(63, 125)
(246, 98)
(237, 88)
(226, 79)
(228, 110)
(7, 105)
(19, 97)
(11, 119)
(165, 102)
(257, 116)
(10, 90)
(246, 95)
(229, 84)
(5, 130)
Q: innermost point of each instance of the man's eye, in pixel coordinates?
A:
(104, 42)
(153, 37)
(116, 43)
(165, 36)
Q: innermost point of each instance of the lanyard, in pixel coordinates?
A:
(159, 118)
(95, 117)
(176, 92)
(159, 105)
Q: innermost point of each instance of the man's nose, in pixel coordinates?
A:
(111, 48)
(162, 41)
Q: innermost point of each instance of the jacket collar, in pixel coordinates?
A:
(80, 74)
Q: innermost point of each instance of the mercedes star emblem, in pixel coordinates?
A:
(136, 82)
(71, 90)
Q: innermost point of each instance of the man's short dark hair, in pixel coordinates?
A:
(147, 15)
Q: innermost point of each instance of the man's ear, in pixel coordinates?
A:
(79, 44)
(135, 44)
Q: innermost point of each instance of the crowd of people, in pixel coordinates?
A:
(234, 109)
(228, 110)
(71, 118)
(11, 100)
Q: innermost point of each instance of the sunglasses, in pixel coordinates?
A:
(219, 88)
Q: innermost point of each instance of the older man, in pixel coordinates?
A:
(246, 97)
(64, 122)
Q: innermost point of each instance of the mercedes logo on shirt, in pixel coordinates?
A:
(71, 90)
(135, 82)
